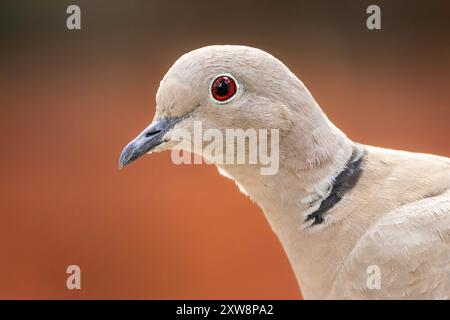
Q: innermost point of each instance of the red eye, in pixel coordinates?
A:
(223, 88)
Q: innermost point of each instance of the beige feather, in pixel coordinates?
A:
(397, 217)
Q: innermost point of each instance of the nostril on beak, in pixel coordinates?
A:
(152, 132)
(160, 127)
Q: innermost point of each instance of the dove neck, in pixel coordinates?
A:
(307, 167)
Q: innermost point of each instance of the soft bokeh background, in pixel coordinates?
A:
(70, 101)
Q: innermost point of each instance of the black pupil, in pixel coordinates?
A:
(222, 87)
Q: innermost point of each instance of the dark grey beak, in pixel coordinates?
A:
(150, 138)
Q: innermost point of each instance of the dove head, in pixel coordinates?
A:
(224, 87)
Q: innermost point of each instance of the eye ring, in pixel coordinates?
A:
(223, 88)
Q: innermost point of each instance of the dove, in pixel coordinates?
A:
(356, 221)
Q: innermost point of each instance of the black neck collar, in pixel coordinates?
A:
(343, 183)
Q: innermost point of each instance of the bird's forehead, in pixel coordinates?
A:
(186, 83)
(175, 97)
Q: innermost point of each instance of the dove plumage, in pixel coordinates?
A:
(339, 208)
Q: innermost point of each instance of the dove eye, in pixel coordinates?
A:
(223, 88)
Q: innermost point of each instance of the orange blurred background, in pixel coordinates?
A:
(71, 100)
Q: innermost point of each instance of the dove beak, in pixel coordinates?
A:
(147, 140)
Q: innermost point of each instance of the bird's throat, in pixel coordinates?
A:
(285, 199)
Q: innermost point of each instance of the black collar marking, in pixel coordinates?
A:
(344, 182)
